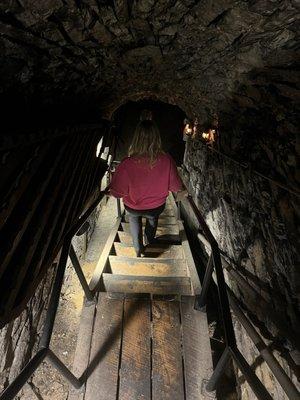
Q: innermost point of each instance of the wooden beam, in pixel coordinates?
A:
(135, 371)
(95, 282)
(167, 371)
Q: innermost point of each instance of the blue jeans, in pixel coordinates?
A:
(135, 223)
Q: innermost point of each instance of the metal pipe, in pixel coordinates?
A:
(218, 372)
(200, 301)
(279, 373)
(13, 389)
(54, 300)
(81, 277)
(60, 366)
(258, 388)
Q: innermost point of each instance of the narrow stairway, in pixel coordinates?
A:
(143, 340)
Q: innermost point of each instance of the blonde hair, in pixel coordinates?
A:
(146, 141)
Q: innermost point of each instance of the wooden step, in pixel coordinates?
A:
(162, 220)
(147, 284)
(127, 239)
(154, 251)
(147, 266)
(161, 230)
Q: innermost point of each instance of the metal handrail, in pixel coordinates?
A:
(231, 351)
(44, 352)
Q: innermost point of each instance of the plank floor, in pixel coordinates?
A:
(143, 340)
(145, 349)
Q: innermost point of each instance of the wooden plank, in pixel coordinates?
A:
(102, 262)
(146, 284)
(147, 266)
(154, 251)
(135, 372)
(103, 369)
(197, 356)
(167, 371)
(196, 285)
(83, 347)
(127, 239)
(161, 230)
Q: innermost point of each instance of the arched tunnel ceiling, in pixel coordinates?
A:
(197, 54)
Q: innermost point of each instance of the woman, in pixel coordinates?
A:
(144, 180)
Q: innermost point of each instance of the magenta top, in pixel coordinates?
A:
(143, 186)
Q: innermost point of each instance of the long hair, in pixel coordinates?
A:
(146, 141)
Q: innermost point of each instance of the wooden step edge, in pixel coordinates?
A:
(147, 260)
(161, 251)
(143, 267)
(146, 284)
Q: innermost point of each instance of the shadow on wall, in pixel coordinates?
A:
(169, 119)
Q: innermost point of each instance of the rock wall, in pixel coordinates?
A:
(254, 223)
(19, 338)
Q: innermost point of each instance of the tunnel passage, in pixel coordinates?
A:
(231, 64)
(169, 119)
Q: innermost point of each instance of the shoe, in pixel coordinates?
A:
(141, 253)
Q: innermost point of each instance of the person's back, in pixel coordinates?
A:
(144, 186)
(144, 180)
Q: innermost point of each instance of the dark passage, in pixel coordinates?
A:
(170, 121)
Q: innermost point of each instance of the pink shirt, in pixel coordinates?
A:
(142, 186)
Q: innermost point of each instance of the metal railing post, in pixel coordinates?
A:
(279, 373)
(60, 366)
(200, 301)
(76, 264)
(178, 210)
(219, 370)
(119, 208)
(54, 300)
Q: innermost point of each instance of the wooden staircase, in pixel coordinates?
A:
(166, 269)
(143, 339)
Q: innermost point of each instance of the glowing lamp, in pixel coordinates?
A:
(209, 136)
(187, 129)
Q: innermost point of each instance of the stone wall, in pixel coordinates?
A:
(253, 222)
(19, 338)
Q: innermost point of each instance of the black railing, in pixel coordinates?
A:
(44, 352)
(227, 299)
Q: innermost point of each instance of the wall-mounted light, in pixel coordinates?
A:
(195, 128)
(209, 136)
(187, 128)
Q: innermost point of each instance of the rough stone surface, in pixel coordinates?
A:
(19, 338)
(201, 55)
(254, 222)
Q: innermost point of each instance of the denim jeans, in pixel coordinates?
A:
(135, 222)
